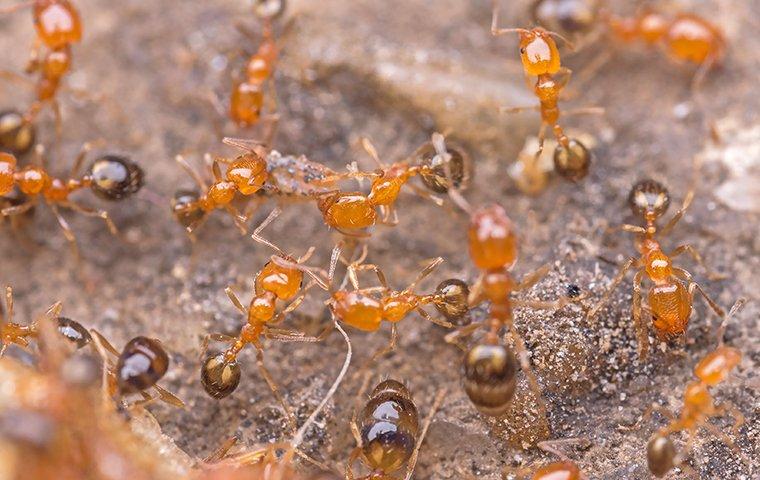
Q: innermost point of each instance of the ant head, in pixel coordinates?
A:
(454, 169)
(661, 455)
(539, 52)
(16, 134)
(115, 177)
(141, 365)
(566, 16)
(649, 199)
(219, 375)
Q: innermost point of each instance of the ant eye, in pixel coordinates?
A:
(522, 50)
(16, 134)
(219, 376)
(649, 196)
(115, 177)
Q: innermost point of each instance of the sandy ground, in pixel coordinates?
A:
(396, 71)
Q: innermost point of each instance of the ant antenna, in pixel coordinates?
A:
(738, 305)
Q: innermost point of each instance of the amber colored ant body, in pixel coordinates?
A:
(541, 58)
(58, 26)
(247, 98)
(18, 334)
(388, 433)
(670, 301)
(698, 407)
(109, 177)
(685, 37)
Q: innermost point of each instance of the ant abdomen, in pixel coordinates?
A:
(661, 454)
(451, 299)
(141, 365)
(490, 374)
(16, 134)
(566, 16)
(115, 177)
(219, 375)
(437, 178)
(649, 196)
(74, 332)
(572, 161)
(389, 424)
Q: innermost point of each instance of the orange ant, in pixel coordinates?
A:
(58, 26)
(541, 58)
(670, 301)
(564, 469)
(18, 334)
(491, 367)
(109, 177)
(279, 279)
(685, 37)
(698, 407)
(385, 442)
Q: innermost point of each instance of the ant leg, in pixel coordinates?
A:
(689, 249)
(465, 331)
(191, 171)
(235, 300)
(437, 321)
(728, 408)
(715, 431)
(86, 147)
(681, 273)
(679, 214)
(17, 77)
(552, 446)
(168, 397)
(67, 232)
(647, 415)
(532, 278)
(641, 330)
(256, 233)
(518, 109)
(495, 30)
(584, 111)
(424, 273)
(103, 341)
(13, 8)
(353, 268)
(382, 351)
(237, 218)
(355, 453)
(220, 452)
(738, 304)
(91, 212)
(421, 192)
(372, 152)
(607, 294)
(522, 355)
(428, 420)
(8, 318)
(18, 209)
(274, 388)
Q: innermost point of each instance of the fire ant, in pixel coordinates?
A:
(490, 368)
(279, 279)
(698, 407)
(670, 301)
(686, 37)
(385, 442)
(348, 212)
(58, 26)
(109, 177)
(541, 58)
(139, 367)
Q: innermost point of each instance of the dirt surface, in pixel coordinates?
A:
(396, 71)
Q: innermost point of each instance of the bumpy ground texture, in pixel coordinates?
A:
(396, 71)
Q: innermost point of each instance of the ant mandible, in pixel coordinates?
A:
(386, 442)
(670, 301)
(58, 26)
(110, 177)
(685, 37)
(698, 407)
(541, 58)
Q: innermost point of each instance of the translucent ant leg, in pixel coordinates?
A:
(235, 300)
(641, 329)
(91, 212)
(715, 431)
(738, 304)
(728, 408)
(191, 171)
(15, 77)
(237, 218)
(691, 251)
(608, 293)
(67, 232)
(584, 111)
(535, 108)
(355, 454)
(552, 446)
(522, 356)
(18, 209)
(274, 388)
(168, 397)
(647, 415)
(13, 8)
(8, 317)
(220, 452)
(465, 331)
(425, 426)
(381, 352)
(532, 278)
(424, 273)
(79, 160)
(679, 214)
(256, 233)
(558, 304)
(431, 319)
(354, 268)
(495, 30)
(681, 273)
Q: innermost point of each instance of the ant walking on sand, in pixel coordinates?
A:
(671, 298)
(109, 177)
(541, 58)
(58, 26)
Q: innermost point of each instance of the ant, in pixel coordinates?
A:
(385, 442)
(139, 367)
(670, 301)
(246, 174)
(348, 212)
(279, 279)
(58, 26)
(698, 407)
(541, 58)
(564, 469)
(490, 368)
(109, 177)
(686, 37)
(264, 463)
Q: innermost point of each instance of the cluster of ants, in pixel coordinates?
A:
(387, 429)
